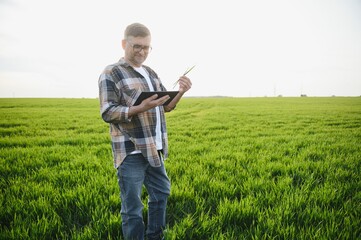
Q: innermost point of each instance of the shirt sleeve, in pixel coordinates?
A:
(110, 109)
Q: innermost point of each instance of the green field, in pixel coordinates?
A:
(241, 168)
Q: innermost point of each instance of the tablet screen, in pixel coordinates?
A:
(145, 95)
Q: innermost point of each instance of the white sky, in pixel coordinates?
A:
(241, 48)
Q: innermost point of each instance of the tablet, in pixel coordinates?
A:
(145, 95)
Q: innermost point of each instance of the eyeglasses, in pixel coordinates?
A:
(138, 48)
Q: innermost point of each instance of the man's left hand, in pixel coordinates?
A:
(184, 84)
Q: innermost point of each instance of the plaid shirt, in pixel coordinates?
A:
(119, 87)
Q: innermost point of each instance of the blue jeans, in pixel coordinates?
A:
(132, 174)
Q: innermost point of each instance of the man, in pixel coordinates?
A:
(138, 133)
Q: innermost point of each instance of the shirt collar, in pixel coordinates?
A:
(123, 62)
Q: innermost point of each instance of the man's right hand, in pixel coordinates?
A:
(147, 104)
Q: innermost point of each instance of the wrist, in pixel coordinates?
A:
(181, 92)
(134, 110)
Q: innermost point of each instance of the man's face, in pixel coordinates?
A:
(136, 50)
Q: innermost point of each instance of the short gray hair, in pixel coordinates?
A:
(136, 30)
